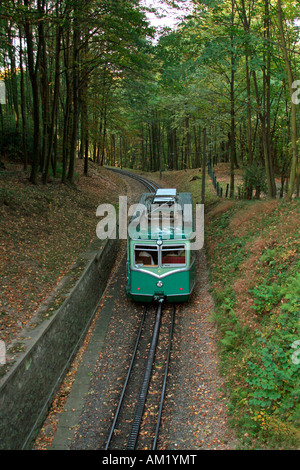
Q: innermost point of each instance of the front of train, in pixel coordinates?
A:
(160, 262)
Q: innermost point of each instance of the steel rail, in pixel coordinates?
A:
(132, 440)
(150, 185)
(126, 381)
(165, 380)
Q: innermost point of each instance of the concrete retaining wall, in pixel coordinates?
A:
(37, 372)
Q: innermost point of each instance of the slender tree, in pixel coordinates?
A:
(288, 67)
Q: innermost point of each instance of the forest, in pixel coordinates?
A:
(86, 79)
(90, 85)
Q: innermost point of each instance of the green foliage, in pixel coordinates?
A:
(265, 297)
(255, 177)
(229, 340)
(274, 379)
(11, 140)
(274, 373)
(260, 364)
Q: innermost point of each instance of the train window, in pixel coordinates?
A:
(146, 255)
(173, 255)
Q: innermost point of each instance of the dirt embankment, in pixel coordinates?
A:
(43, 231)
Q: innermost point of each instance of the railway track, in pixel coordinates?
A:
(137, 418)
(150, 185)
(127, 429)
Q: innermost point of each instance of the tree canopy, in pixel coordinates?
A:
(86, 79)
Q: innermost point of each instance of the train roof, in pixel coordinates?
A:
(165, 196)
(163, 215)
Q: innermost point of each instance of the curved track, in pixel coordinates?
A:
(150, 185)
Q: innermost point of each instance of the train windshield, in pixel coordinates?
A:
(174, 255)
(146, 255)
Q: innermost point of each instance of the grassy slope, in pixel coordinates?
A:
(253, 252)
(253, 249)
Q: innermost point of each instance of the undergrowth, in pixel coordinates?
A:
(257, 261)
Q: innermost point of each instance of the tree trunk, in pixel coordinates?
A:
(232, 112)
(13, 71)
(75, 84)
(32, 67)
(267, 160)
(293, 104)
(67, 113)
(44, 85)
(23, 105)
(268, 98)
(54, 104)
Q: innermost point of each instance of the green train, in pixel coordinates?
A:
(160, 261)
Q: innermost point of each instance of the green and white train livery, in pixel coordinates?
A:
(160, 261)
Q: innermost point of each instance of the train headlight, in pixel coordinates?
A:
(159, 242)
(159, 284)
